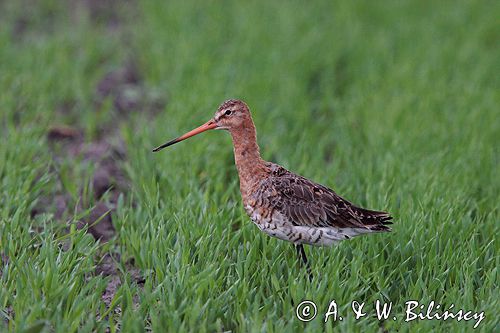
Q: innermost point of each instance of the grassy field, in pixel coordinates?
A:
(393, 104)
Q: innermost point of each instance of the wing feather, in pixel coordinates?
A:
(306, 203)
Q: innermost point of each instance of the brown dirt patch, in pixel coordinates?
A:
(128, 92)
(108, 267)
(105, 154)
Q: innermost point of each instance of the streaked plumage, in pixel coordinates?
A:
(293, 208)
(281, 203)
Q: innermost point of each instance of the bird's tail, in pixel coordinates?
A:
(375, 220)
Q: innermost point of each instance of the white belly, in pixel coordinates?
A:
(280, 227)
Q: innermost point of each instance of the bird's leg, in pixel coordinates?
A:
(303, 258)
(301, 253)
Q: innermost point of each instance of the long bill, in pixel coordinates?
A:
(205, 127)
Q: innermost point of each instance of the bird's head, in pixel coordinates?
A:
(231, 114)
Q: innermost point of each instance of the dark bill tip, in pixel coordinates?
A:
(165, 145)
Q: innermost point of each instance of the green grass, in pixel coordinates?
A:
(393, 104)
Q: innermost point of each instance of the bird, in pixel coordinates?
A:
(281, 203)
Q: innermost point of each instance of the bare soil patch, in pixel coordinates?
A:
(105, 155)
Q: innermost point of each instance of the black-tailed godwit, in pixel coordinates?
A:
(281, 203)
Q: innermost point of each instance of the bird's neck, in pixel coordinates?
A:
(251, 167)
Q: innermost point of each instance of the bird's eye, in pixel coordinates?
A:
(227, 113)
